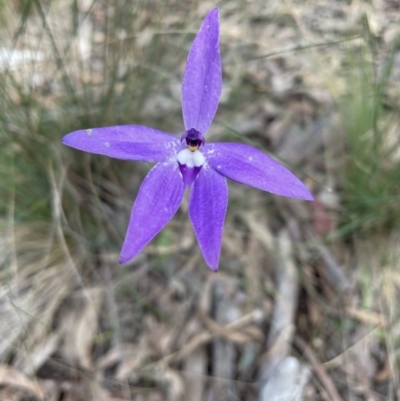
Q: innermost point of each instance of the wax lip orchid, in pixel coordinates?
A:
(189, 161)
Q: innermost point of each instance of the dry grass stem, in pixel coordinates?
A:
(314, 84)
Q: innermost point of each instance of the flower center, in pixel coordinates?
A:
(191, 160)
(193, 138)
(190, 163)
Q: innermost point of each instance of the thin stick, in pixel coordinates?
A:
(205, 337)
(318, 368)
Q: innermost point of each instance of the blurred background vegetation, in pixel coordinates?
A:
(314, 83)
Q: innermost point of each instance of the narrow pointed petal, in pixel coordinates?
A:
(127, 142)
(249, 166)
(202, 81)
(207, 208)
(158, 199)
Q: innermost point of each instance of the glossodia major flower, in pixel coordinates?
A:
(189, 161)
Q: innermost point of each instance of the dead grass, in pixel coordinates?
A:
(309, 289)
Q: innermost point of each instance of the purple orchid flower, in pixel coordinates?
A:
(189, 161)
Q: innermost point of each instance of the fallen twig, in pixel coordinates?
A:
(205, 337)
(283, 377)
(318, 368)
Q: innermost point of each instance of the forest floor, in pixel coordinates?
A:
(305, 303)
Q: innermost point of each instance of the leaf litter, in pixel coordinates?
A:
(292, 296)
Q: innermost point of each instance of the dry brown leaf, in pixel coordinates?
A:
(160, 335)
(13, 378)
(39, 353)
(254, 333)
(51, 389)
(367, 316)
(132, 361)
(128, 357)
(37, 282)
(256, 316)
(220, 331)
(191, 329)
(14, 394)
(84, 390)
(174, 383)
(108, 399)
(115, 355)
(360, 362)
(78, 326)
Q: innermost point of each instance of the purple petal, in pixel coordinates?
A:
(202, 81)
(207, 208)
(127, 142)
(188, 174)
(250, 166)
(158, 199)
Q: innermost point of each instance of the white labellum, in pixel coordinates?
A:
(191, 159)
